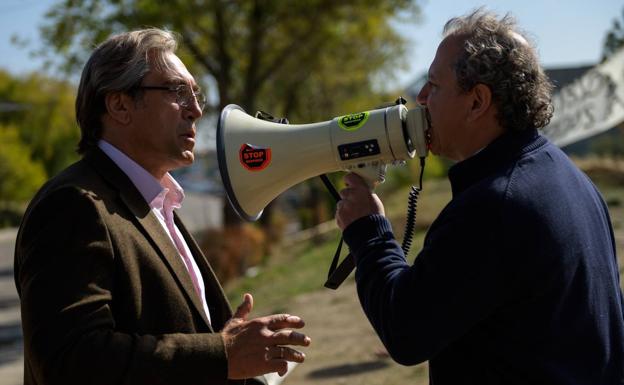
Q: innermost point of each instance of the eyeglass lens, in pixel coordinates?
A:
(186, 94)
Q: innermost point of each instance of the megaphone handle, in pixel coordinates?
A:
(372, 174)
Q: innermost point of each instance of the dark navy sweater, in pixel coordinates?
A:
(517, 281)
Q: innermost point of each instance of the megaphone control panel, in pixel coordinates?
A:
(357, 150)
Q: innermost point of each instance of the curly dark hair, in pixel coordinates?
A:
(495, 54)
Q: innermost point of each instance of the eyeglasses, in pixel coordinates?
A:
(184, 94)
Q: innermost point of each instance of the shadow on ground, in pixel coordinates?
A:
(11, 348)
(348, 369)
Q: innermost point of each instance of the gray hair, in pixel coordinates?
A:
(495, 54)
(119, 64)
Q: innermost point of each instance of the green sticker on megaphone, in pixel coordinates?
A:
(353, 121)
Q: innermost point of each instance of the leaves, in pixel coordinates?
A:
(614, 40)
(272, 54)
(44, 121)
(20, 177)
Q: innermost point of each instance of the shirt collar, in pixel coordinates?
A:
(170, 197)
(166, 193)
(495, 156)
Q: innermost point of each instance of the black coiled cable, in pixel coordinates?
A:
(410, 220)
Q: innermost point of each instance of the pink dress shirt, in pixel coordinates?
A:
(162, 197)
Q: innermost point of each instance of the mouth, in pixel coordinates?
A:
(188, 140)
(188, 135)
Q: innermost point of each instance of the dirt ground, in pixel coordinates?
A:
(345, 349)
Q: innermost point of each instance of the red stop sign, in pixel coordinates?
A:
(254, 158)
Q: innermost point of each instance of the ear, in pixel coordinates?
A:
(481, 101)
(119, 107)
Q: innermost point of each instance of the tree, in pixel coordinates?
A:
(44, 118)
(20, 177)
(614, 40)
(309, 60)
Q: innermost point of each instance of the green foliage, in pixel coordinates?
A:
(306, 59)
(43, 118)
(20, 177)
(614, 40)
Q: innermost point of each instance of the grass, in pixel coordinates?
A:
(290, 272)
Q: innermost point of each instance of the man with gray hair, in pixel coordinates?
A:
(517, 281)
(113, 288)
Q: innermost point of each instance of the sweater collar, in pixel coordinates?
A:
(500, 152)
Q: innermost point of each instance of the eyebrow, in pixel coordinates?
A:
(176, 81)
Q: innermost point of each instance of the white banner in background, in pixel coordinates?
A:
(590, 105)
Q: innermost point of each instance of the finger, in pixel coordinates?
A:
(339, 222)
(279, 366)
(354, 180)
(290, 337)
(244, 308)
(284, 353)
(345, 192)
(284, 321)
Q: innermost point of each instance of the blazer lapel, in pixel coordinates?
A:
(220, 311)
(147, 221)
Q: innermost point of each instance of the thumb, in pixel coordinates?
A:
(244, 308)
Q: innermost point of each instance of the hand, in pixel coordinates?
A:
(257, 346)
(357, 201)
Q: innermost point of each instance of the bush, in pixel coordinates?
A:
(20, 176)
(233, 250)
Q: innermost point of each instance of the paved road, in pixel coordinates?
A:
(11, 353)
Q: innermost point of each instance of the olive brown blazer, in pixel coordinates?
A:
(105, 297)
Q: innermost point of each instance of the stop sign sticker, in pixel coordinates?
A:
(254, 158)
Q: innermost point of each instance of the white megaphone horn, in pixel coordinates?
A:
(260, 159)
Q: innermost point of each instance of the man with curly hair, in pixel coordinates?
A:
(517, 281)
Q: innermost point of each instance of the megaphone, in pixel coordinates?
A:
(259, 159)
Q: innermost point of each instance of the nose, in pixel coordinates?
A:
(422, 95)
(193, 111)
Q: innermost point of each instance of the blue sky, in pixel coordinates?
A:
(567, 32)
